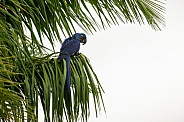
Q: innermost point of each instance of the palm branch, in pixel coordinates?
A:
(14, 106)
(39, 77)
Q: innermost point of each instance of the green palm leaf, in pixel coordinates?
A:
(49, 18)
(14, 105)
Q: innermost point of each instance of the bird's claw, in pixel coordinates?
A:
(77, 53)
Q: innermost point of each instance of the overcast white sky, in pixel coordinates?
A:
(142, 71)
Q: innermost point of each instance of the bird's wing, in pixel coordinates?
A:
(71, 46)
(67, 43)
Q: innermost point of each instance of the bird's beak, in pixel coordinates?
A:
(84, 41)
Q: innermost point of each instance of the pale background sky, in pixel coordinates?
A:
(141, 70)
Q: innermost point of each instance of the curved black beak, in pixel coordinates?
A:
(84, 41)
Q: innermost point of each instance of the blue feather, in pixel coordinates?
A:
(68, 73)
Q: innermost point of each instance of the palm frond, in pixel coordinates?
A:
(14, 105)
(47, 80)
(49, 18)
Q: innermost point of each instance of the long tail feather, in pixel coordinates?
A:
(68, 73)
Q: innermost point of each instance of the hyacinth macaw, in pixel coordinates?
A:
(70, 47)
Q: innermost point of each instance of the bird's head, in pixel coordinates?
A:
(81, 37)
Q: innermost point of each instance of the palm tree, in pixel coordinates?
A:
(27, 73)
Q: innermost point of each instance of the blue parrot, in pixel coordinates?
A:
(70, 47)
